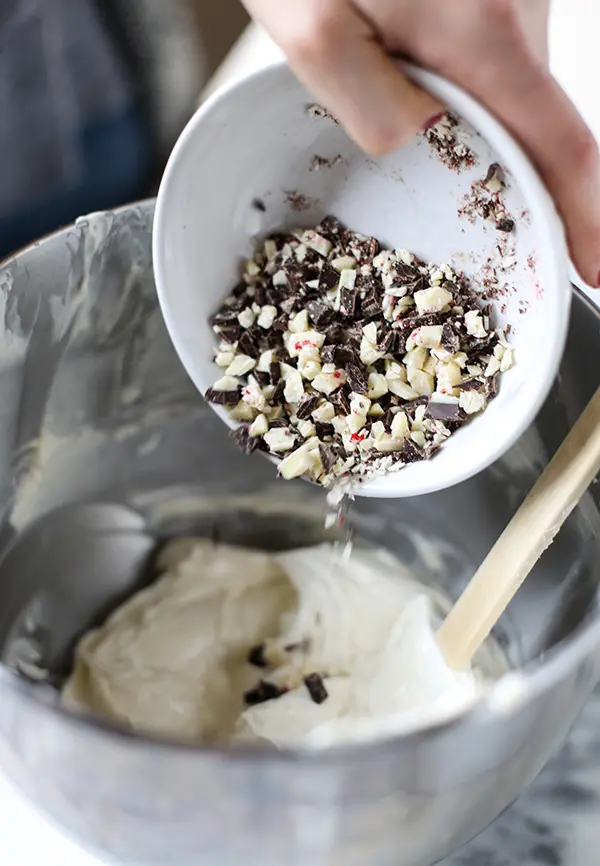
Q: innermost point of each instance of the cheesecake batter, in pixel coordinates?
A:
(306, 647)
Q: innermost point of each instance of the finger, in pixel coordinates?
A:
(336, 54)
(538, 112)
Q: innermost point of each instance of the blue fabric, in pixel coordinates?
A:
(115, 159)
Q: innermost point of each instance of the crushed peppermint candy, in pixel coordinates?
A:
(348, 361)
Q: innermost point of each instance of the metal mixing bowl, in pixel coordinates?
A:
(95, 406)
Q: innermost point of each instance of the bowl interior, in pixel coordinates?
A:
(246, 166)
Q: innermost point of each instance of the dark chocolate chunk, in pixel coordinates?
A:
(387, 420)
(371, 305)
(328, 354)
(403, 274)
(245, 442)
(491, 388)
(230, 335)
(319, 313)
(316, 688)
(348, 298)
(277, 395)
(331, 228)
(248, 345)
(274, 372)
(290, 305)
(328, 278)
(307, 406)
(363, 248)
(441, 411)
(494, 172)
(471, 385)
(263, 692)
(334, 334)
(346, 355)
(505, 224)
(390, 343)
(450, 339)
(273, 339)
(410, 453)
(256, 656)
(323, 430)
(225, 316)
(340, 401)
(263, 379)
(328, 458)
(223, 398)
(357, 379)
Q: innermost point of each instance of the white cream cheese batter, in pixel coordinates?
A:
(174, 659)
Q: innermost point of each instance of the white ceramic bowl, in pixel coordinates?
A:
(257, 140)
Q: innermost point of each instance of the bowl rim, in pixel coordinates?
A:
(538, 202)
(538, 676)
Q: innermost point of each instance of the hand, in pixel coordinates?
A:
(496, 49)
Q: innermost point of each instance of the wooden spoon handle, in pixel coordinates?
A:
(531, 530)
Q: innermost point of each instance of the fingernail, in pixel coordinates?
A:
(435, 119)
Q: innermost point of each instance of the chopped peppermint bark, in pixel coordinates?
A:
(346, 360)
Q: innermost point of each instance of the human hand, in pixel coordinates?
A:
(495, 49)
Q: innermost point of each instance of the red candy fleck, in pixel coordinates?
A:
(337, 375)
(357, 437)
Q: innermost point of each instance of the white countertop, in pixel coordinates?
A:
(26, 838)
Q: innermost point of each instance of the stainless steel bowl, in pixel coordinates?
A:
(95, 406)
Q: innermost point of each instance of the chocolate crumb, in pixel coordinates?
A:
(316, 688)
(258, 204)
(327, 457)
(505, 224)
(257, 657)
(262, 693)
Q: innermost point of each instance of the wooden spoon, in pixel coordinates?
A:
(532, 529)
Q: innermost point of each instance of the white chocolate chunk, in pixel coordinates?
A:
(402, 389)
(316, 242)
(428, 336)
(279, 439)
(226, 383)
(241, 365)
(242, 412)
(474, 324)
(296, 342)
(448, 377)
(294, 387)
(252, 269)
(422, 382)
(267, 316)
(306, 428)
(324, 413)
(369, 353)
(253, 395)
(418, 437)
(343, 262)
(508, 359)
(310, 370)
(224, 359)
(265, 360)
(303, 460)
(400, 428)
(246, 318)
(299, 323)
(493, 366)
(279, 279)
(432, 300)
(416, 358)
(378, 385)
(270, 249)
(472, 401)
(327, 383)
(259, 426)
